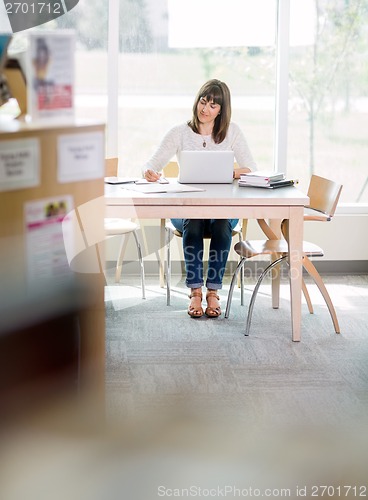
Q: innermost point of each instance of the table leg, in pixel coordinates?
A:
(295, 238)
(162, 253)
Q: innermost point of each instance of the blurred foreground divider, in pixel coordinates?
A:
(40, 350)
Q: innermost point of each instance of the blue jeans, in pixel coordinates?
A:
(194, 230)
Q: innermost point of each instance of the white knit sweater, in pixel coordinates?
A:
(182, 138)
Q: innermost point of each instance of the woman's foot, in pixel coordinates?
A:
(195, 309)
(213, 309)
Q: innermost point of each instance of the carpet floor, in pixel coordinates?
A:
(200, 384)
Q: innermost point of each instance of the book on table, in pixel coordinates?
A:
(261, 177)
(265, 179)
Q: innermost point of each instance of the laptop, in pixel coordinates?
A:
(206, 167)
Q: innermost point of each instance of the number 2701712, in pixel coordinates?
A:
(34, 8)
(340, 491)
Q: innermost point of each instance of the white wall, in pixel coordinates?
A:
(344, 238)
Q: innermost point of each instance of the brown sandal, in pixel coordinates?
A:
(212, 312)
(194, 310)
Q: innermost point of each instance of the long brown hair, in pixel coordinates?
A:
(219, 93)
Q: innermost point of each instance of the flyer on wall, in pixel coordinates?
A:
(47, 225)
(50, 74)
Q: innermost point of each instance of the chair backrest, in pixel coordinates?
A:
(324, 195)
(111, 167)
(171, 169)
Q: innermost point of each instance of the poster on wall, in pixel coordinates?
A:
(80, 157)
(50, 75)
(46, 256)
(19, 164)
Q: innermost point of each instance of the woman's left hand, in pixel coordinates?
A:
(238, 171)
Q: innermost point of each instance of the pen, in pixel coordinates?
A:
(163, 180)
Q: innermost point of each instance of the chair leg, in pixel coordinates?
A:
(119, 262)
(139, 250)
(241, 278)
(101, 260)
(243, 237)
(307, 297)
(168, 268)
(232, 286)
(275, 284)
(318, 281)
(242, 286)
(255, 291)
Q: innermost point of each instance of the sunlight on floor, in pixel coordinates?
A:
(128, 293)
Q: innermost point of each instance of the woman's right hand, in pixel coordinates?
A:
(151, 175)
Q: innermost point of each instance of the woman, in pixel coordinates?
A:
(209, 128)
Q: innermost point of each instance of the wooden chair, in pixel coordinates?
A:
(123, 227)
(324, 195)
(172, 170)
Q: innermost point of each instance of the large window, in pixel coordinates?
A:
(328, 106)
(166, 49)
(164, 64)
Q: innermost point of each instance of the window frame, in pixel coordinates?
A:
(281, 97)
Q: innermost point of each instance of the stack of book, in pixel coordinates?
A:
(265, 179)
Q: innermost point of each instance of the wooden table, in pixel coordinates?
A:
(224, 201)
